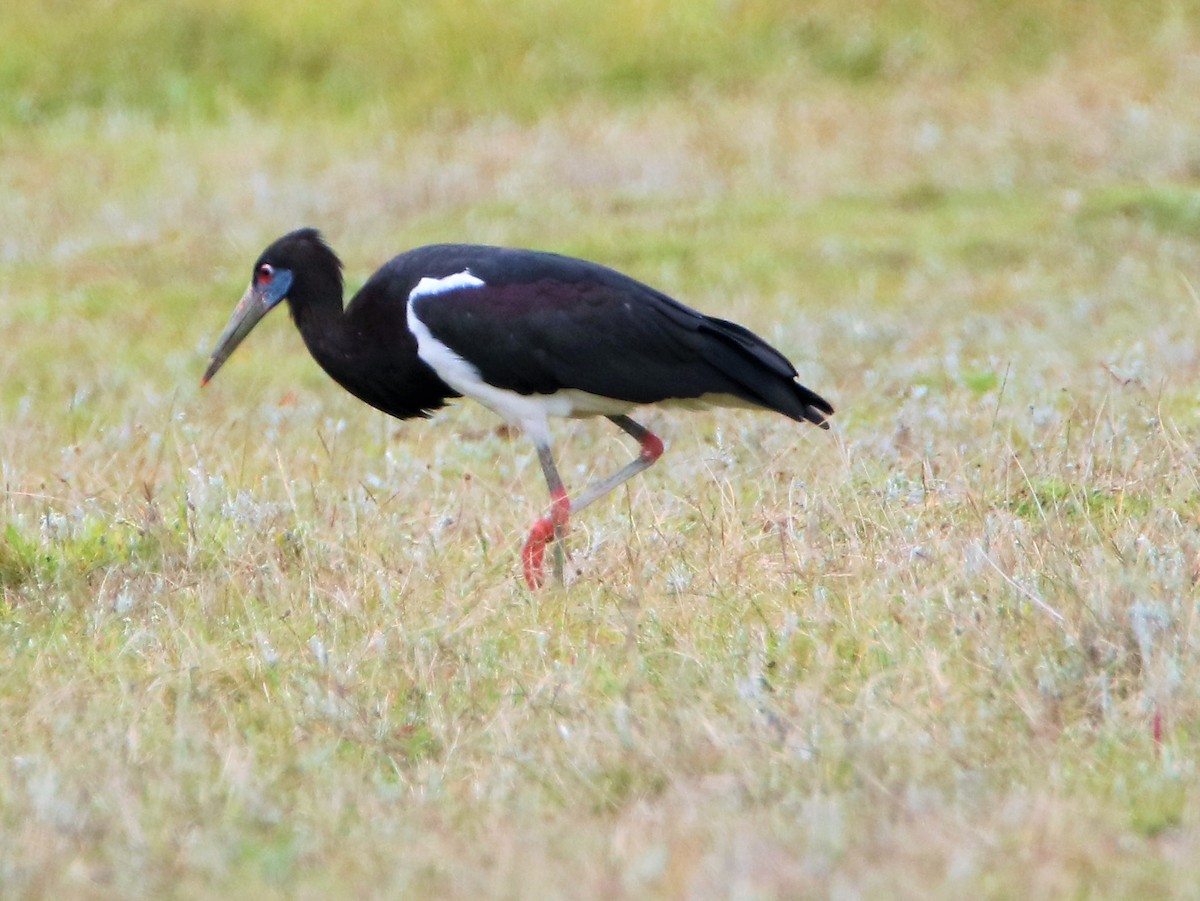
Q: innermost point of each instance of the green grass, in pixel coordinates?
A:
(443, 59)
(1171, 209)
(261, 641)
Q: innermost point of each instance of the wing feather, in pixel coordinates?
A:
(537, 323)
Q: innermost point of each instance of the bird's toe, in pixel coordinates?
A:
(533, 554)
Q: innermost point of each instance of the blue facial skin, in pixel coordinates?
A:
(269, 288)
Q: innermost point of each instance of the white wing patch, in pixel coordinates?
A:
(427, 287)
(527, 411)
(451, 368)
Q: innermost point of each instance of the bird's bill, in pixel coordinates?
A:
(254, 305)
(250, 309)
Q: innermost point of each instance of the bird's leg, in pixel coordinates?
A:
(652, 448)
(554, 527)
(548, 528)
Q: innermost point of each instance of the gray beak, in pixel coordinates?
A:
(254, 305)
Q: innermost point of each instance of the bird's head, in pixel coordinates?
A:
(298, 261)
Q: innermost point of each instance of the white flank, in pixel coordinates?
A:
(530, 412)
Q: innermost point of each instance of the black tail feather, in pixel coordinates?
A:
(765, 376)
(816, 408)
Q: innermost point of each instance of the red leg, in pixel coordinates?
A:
(652, 449)
(534, 553)
(547, 529)
(554, 527)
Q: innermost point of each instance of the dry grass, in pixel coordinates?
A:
(261, 641)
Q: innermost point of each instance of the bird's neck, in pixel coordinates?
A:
(322, 324)
(371, 353)
(319, 317)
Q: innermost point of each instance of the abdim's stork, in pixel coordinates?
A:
(530, 335)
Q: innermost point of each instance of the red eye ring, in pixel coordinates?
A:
(265, 273)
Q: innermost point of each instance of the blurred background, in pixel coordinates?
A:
(440, 62)
(825, 153)
(260, 639)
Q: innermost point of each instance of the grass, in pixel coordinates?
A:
(261, 641)
(442, 59)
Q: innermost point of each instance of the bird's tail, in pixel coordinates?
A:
(766, 376)
(815, 407)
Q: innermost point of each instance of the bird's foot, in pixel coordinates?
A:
(545, 530)
(534, 553)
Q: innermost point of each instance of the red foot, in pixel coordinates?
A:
(533, 554)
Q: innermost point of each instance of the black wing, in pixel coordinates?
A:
(542, 322)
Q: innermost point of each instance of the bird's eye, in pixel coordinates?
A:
(265, 273)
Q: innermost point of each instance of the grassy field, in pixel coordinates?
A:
(260, 641)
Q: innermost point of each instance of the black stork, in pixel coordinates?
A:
(529, 335)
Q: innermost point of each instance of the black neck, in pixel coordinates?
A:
(373, 356)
